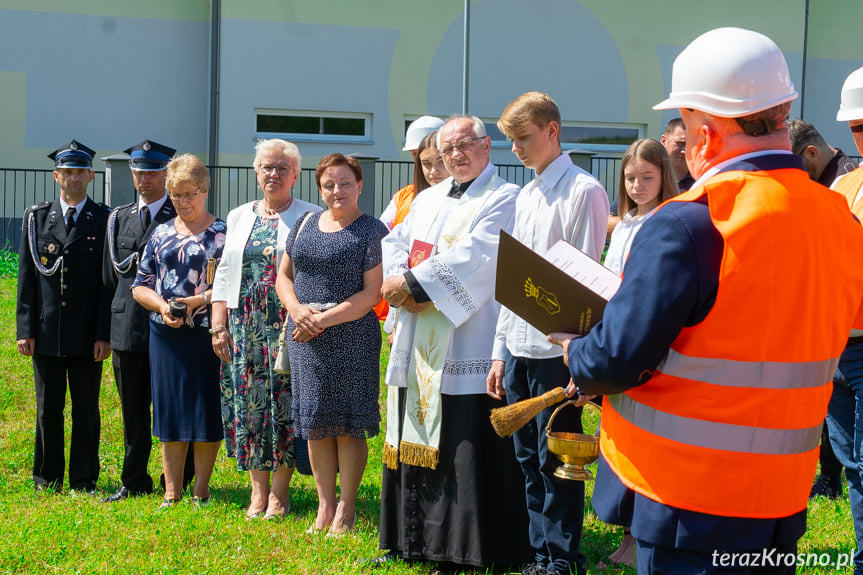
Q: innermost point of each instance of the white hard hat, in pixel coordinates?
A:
(729, 72)
(851, 105)
(419, 129)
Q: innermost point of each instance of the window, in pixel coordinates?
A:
(306, 126)
(582, 135)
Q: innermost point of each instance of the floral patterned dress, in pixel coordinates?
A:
(256, 401)
(183, 368)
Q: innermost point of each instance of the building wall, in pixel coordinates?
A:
(106, 75)
(112, 72)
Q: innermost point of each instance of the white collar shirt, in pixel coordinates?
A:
(621, 239)
(563, 203)
(79, 207)
(154, 207)
(742, 157)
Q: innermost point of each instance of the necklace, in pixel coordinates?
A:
(274, 211)
(194, 228)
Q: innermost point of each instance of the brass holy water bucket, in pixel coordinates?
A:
(575, 450)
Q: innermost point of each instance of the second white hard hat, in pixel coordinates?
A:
(419, 129)
(851, 104)
(729, 72)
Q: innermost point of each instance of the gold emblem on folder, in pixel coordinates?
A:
(544, 298)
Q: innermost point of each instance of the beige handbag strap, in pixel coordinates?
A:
(299, 231)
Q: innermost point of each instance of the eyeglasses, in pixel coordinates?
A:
(857, 128)
(462, 147)
(282, 170)
(183, 197)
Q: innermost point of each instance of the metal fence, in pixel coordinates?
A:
(607, 171)
(20, 189)
(235, 185)
(232, 186)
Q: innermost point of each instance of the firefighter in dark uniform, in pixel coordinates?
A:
(63, 319)
(129, 228)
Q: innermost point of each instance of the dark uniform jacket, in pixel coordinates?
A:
(130, 328)
(68, 311)
(839, 165)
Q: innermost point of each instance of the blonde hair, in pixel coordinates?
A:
(529, 108)
(654, 153)
(187, 168)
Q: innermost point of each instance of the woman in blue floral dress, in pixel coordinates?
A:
(177, 265)
(247, 318)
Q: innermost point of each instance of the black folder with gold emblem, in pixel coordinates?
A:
(547, 297)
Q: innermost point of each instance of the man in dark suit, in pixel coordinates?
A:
(129, 228)
(63, 319)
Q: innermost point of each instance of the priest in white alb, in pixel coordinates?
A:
(452, 489)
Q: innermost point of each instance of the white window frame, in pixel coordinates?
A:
(366, 138)
(597, 148)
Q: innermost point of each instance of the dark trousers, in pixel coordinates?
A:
(657, 560)
(830, 465)
(132, 372)
(555, 506)
(845, 422)
(84, 378)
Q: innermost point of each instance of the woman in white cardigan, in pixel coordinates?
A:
(246, 319)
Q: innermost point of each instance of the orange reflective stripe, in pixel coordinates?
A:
(715, 435)
(737, 405)
(706, 480)
(762, 374)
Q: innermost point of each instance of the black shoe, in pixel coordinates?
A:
(89, 491)
(829, 486)
(563, 568)
(122, 493)
(389, 558)
(534, 569)
(45, 486)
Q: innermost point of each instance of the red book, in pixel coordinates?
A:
(420, 252)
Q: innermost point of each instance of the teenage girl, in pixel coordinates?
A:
(647, 179)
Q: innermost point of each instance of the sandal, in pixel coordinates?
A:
(346, 531)
(167, 504)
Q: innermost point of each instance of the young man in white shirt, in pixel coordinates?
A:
(563, 202)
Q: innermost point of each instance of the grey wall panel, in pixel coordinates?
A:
(291, 66)
(516, 46)
(108, 81)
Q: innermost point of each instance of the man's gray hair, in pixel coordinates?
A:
(478, 126)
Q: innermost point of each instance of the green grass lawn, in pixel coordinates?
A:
(48, 533)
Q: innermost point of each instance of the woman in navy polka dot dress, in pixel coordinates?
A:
(329, 281)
